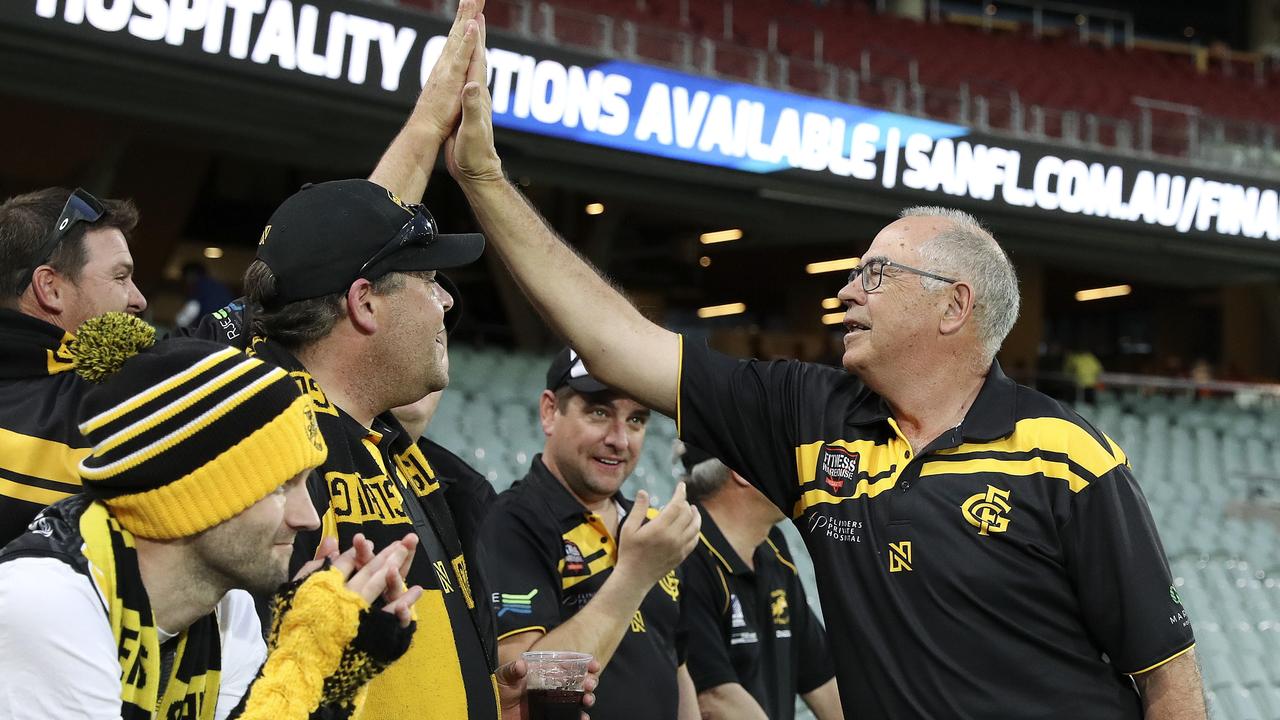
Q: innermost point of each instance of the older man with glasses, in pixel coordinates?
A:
(980, 549)
(64, 258)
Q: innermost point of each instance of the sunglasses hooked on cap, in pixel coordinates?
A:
(327, 235)
(568, 369)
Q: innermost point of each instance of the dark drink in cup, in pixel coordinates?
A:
(554, 684)
(553, 705)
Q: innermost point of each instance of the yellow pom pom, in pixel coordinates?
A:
(103, 344)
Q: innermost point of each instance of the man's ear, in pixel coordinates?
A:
(362, 307)
(547, 411)
(50, 290)
(959, 308)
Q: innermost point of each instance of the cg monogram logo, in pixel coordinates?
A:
(986, 511)
(670, 584)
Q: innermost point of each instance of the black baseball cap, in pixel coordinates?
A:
(326, 235)
(567, 369)
(693, 457)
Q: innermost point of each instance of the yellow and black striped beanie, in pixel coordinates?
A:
(186, 433)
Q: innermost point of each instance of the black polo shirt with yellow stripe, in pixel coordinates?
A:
(545, 556)
(752, 625)
(40, 441)
(1011, 569)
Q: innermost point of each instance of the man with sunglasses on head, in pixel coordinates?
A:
(64, 258)
(346, 294)
(980, 550)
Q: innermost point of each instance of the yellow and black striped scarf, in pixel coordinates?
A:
(192, 689)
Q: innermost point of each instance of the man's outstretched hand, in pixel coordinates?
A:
(470, 153)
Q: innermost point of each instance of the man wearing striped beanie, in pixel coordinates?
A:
(130, 601)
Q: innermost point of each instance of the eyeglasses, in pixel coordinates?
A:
(872, 273)
(80, 207)
(418, 230)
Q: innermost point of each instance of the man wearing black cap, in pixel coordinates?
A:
(575, 566)
(754, 642)
(345, 294)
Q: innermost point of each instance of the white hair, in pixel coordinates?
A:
(967, 251)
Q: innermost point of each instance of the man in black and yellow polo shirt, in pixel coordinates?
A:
(980, 550)
(754, 642)
(574, 565)
(64, 258)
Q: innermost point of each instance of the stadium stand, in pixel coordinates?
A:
(1175, 99)
(1210, 467)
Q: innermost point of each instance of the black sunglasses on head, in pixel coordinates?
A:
(81, 207)
(418, 230)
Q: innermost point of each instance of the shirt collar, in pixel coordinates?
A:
(384, 431)
(714, 540)
(991, 417)
(563, 504)
(32, 346)
(994, 411)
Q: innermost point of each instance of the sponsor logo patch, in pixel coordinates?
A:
(574, 563)
(838, 469)
(514, 604)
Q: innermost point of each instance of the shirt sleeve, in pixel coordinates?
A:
(745, 412)
(1122, 578)
(703, 609)
(815, 666)
(57, 655)
(243, 649)
(522, 574)
(229, 325)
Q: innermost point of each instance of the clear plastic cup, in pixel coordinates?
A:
(554, 684)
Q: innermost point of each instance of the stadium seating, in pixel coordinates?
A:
(1053, 85)
(1203, 464)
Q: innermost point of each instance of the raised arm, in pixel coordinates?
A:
(406, 165)
(620, 346)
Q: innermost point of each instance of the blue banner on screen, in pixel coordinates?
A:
(645, 109)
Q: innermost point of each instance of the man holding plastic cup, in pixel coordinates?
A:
(555, 684)
(575, 565)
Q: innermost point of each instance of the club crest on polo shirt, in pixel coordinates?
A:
(574, 563)
(838, 469)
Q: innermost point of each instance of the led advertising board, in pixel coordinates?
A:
(383, 54)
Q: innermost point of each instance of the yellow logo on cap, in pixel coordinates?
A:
(396, 199)
(265, 232)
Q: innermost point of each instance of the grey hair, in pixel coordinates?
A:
(706, 479)
(968, 251)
